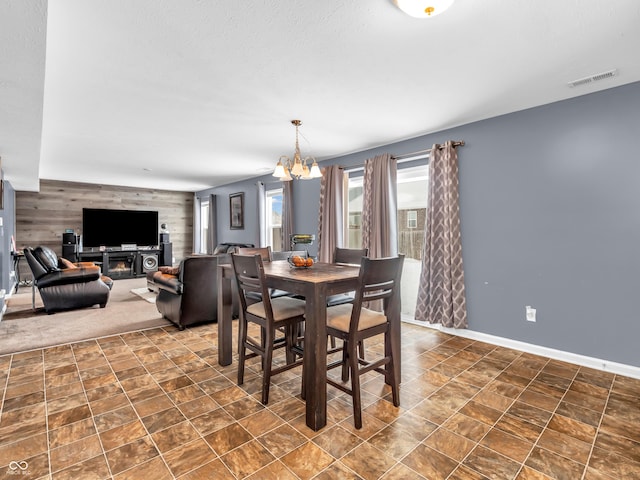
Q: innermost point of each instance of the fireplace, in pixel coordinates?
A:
(121, 265)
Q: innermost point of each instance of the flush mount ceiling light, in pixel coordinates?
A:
(423, 8)
(297, 167)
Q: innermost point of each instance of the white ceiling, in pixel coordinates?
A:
(188, 94)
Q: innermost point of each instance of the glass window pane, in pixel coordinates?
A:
(204, 226)
(273, 205)
(413, 186)
(354, 220)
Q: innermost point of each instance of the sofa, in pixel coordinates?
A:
(188, 294)
(228, 248)
(64, 285)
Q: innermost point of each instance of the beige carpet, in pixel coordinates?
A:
(145, 294)
(23, 329)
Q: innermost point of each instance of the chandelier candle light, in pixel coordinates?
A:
(296, 168)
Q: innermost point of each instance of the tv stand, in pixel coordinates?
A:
(117, 263)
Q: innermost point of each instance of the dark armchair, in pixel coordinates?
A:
(63, 285)
(189, 295)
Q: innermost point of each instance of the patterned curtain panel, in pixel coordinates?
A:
(331, 228)
(380, 207)
(212, 239)
(441, 294)
(287, 214)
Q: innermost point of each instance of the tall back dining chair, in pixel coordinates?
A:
(346, 256)
(284, 314)
(267, 256)
(379, 279)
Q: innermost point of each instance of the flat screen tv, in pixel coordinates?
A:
(103, 227)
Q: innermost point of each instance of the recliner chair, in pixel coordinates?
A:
(65, 286)
(191, 295)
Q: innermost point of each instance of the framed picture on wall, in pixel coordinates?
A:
(236, 211)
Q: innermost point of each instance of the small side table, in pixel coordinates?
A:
(17, 256)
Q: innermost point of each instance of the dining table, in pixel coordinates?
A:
(315, 284)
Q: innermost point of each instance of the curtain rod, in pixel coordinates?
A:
(459, 143)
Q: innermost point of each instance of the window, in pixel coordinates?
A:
(412, 219)
(273, 223)
(354, 224)
(204, 225)
(413, 186)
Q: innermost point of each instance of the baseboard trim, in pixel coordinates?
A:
(582, 360)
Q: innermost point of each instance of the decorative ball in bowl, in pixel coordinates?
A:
(298, 261)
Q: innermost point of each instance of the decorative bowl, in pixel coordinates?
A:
(300, 261)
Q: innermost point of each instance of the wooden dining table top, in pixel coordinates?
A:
(317, 273)
(330, 275)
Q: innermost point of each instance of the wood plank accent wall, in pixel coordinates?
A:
(42, 217)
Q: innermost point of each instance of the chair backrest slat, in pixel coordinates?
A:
(379, 280)
(350, 256)
(378, 291)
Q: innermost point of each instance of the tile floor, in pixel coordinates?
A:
(155, 404)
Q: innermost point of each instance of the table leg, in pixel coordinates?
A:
(315, 357)
(225, 314)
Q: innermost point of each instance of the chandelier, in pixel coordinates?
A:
(423, 8)
(296, 168)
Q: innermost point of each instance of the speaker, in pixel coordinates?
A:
(69, 252)
(68, 238)
(166, 255)
(164, 238)
(148, 262)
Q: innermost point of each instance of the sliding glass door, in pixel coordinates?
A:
(413, 187)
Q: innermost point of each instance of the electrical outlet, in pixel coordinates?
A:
(530, 313)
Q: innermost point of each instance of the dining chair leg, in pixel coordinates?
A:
(242, 352)
(395, 389)
(345, 361)
(267, 360)
(291, 334)
(355, 386)
(395, 381)
(263, 340)
(361, 349)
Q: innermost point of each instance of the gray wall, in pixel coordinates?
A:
(8, 215)
(550, 209)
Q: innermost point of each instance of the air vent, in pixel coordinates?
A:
(594, 78)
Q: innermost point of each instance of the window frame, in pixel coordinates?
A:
(204, 225)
